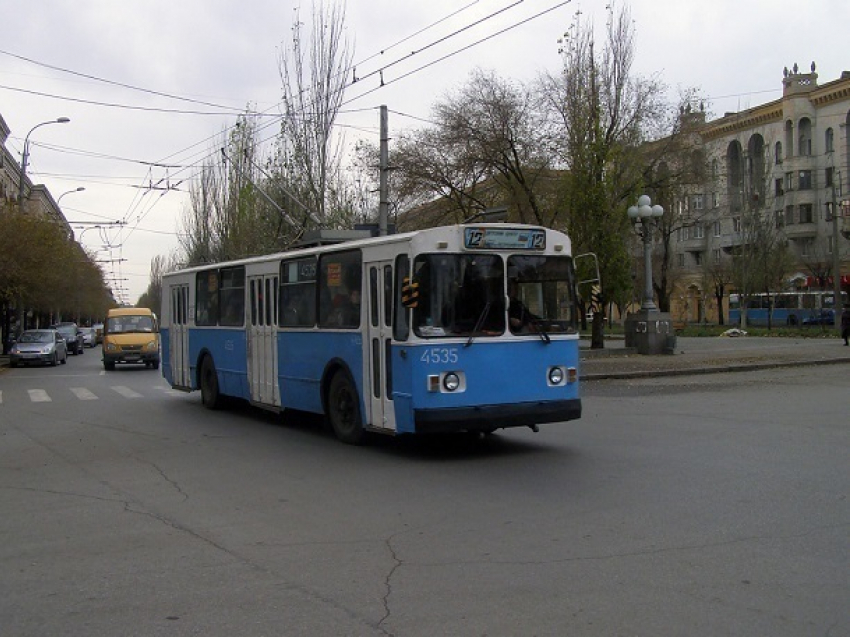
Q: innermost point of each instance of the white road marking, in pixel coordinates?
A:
(39, 396)
(126, 391)
(83, 394)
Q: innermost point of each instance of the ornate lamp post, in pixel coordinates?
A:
(26, 154)
(648, 330)
(643, 216)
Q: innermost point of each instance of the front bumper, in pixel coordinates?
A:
(490, 417)
(131, 357)
(30, 359)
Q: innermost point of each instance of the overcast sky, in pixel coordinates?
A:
(226, 53)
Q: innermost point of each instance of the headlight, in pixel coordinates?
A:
(451, 381)
(46, 349)
(556, 375)
(111, 347)
(151, 346)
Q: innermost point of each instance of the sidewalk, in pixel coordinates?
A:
(706, 355)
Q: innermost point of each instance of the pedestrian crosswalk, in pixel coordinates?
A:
(38, 395)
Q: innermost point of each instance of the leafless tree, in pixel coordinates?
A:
(314, 69)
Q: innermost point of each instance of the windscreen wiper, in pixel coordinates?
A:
(479, 323)
(540, 332)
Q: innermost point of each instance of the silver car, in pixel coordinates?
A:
(39, 346)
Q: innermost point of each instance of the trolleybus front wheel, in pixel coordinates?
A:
(344, 409)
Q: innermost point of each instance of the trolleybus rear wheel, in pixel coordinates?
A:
(209, 385)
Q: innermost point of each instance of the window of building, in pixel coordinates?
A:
(779, 217)
(789, 181)
(698, 202)
(715, 199)
(736, 224)
(830, 176)
(717, 228)
(681, 259)
(806, 215)
(716, 256)
(805, 143)
(805, 182)
(829, 140)
(697, 258)
(805, 247)
(828, 211)
(778, 153)
(780, 189)
(789, 215)
(698, 231)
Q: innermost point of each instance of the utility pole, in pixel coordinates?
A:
(383, 168)
(837, 305)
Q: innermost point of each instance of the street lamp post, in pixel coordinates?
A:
(68, 192)
(644, 216)
(648, 330)
(25, 156)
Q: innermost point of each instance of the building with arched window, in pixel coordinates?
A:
(774, 177)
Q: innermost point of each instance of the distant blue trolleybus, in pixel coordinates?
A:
(461, 328)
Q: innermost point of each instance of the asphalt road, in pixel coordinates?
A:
(711, 505)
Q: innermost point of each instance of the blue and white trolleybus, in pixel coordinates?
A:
(461, 328)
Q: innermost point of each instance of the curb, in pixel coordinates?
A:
(716, 369)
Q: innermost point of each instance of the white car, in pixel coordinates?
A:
(89, 336)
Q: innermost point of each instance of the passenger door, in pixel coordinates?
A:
(262, 340)
(181, 375)
(378, 372)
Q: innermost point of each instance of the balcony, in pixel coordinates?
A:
(693, 244)
(801, 230)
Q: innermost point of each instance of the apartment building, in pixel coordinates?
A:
(785, 163)
(39, 201)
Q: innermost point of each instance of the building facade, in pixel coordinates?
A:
(785, 164)
(38, 199)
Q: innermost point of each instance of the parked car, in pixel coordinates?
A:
(824, 317)
(88, 336)
(70, 332)
(46, 347)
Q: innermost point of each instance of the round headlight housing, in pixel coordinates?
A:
(556, 375)
(451, 382)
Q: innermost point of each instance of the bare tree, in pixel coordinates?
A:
(314, 69)
(489, 146)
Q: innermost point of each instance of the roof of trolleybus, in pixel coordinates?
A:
(441, 238)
